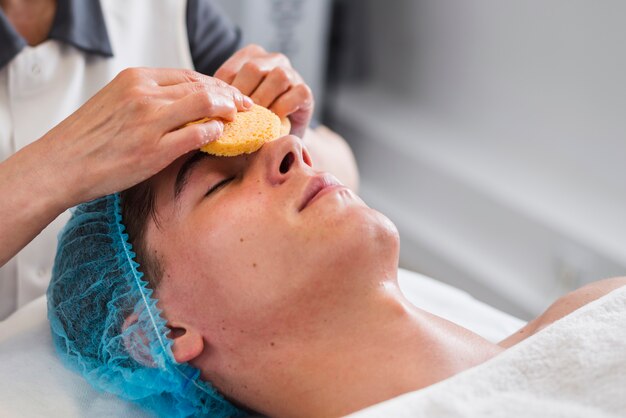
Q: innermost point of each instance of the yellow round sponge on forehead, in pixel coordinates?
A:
(247, 132)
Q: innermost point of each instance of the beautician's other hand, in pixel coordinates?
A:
(128, 131)
(271, 81)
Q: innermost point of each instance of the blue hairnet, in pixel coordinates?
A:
(95, 287)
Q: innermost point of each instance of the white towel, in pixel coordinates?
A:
(576, 367)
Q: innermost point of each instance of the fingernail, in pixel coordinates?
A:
(211, 134)
(247, 102)
(219, 127)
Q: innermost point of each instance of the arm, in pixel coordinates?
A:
(29, 202)
(564, 306)
(126, 133)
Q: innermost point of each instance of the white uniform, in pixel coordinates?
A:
(44, 84)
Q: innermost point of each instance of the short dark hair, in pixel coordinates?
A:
(138, 203)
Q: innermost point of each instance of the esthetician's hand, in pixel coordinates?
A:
(124, 134)
(271, 81)
(129, 131)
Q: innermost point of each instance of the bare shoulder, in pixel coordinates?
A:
(564, 306)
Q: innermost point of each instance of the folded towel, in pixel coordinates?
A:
(575, 367)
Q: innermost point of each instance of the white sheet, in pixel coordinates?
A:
(34, 383)
(457, 306)
(574, 368)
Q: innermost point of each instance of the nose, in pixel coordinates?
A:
(282, 157)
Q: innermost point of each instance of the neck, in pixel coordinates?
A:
(31, 18)
(376, 350)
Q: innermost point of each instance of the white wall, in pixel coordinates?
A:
(501, 124)
(549, 73)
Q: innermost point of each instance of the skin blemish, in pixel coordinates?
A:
(223, 328)
(253, 264)
(272, 343)
(240, 239)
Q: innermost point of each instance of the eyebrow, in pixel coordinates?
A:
(185, 171)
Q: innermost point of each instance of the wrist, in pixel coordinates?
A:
(29, 201)
(38, 181)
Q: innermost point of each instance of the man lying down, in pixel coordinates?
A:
(259, 286)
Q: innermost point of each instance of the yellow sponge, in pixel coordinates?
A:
(247, 132)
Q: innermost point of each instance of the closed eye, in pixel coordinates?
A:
(219, 185)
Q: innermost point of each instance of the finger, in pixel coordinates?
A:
(277, 82)
(229, 70)
(196, 106)
(250, 76)
(191, 137)
(298, 98)
(179, 91)
(253, 72)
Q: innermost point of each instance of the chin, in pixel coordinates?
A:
(347, 231)
(363, 237)
(347, 215)
(377, 228)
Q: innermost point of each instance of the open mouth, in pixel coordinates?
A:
(315, 187)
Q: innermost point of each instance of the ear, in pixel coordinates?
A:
(188, 341)
(136, 342)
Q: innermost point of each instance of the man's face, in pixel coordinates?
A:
(256, 245)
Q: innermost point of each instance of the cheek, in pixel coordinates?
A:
(232, 256)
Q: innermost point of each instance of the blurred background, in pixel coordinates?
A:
(492, 132)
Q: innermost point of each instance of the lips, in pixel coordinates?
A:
(315, 186)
